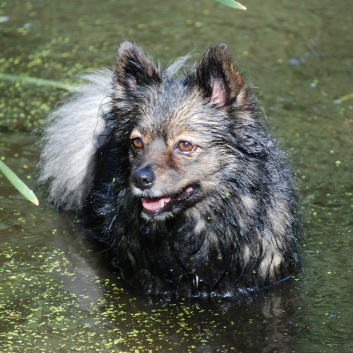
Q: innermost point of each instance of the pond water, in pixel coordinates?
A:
(55, 295)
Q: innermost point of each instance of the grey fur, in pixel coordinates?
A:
(71, 138)
(177, 65)
(70, 141)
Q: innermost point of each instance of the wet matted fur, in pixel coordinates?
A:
(177, 176)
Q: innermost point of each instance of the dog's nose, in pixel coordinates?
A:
(143, 178)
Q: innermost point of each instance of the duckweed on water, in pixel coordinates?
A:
(37, 313)
(30, 106)
(35, 81)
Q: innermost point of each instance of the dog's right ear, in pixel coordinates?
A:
(134, 69)
(216, 77)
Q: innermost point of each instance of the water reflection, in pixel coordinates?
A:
(262, 323)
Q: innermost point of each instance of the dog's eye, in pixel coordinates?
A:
(137, 142)
(185, 146)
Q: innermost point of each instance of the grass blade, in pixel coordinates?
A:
(18, 183)
(344, 98)
(35, 81)
(233, 4)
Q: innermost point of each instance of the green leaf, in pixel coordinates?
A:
(35, 81)
(18, 183)
(233, 4)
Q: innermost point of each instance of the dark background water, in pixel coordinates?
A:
(55, 296)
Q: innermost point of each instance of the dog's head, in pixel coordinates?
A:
(178, 129)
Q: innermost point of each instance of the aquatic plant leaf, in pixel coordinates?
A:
(18, 183)
(233, 4)
(35, 81)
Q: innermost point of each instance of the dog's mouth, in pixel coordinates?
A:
(158, 205)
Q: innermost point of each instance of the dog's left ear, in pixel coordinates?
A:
(217, 78)
(134, 69)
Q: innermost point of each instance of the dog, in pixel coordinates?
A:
(176, 175)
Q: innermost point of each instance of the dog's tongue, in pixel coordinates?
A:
(154, 204)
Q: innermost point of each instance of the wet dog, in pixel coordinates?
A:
(177, 176)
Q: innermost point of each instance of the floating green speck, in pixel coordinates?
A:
(344, 98)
